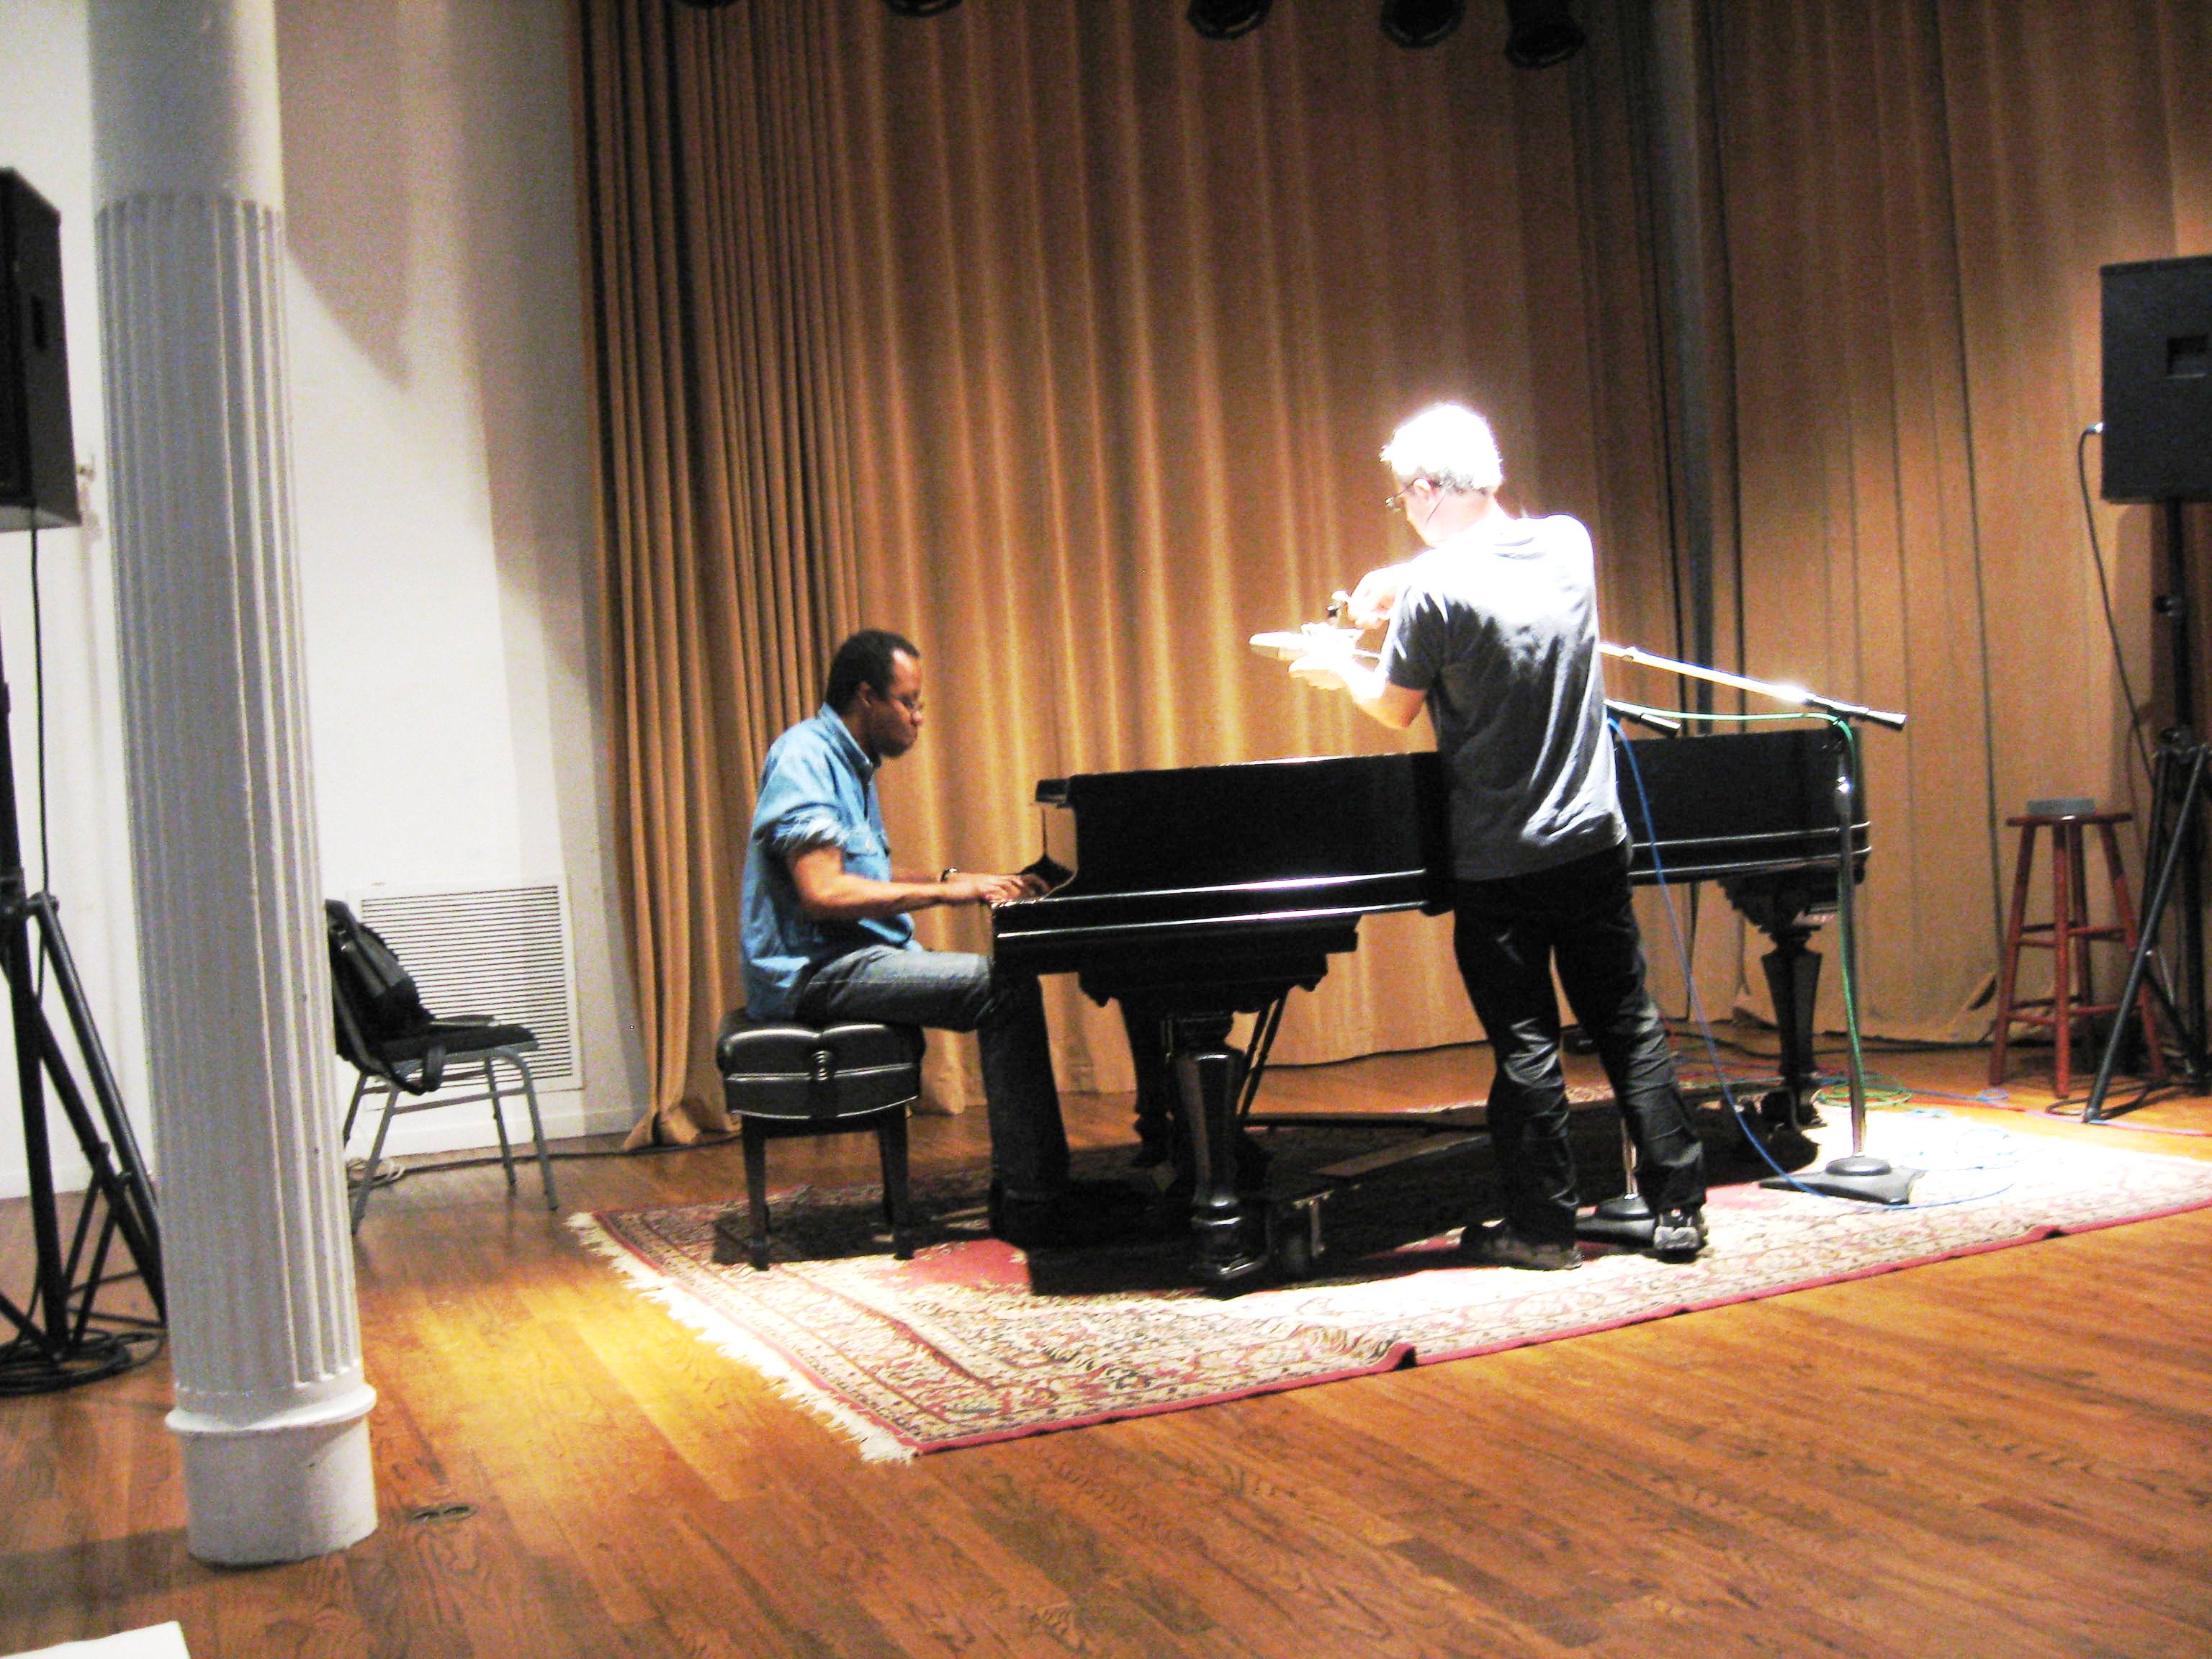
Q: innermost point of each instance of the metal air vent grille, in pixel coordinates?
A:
(498, 951)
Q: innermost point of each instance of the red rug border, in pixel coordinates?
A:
(1402, 1355)
(1398, 1358)
(1406, 1354)
(2033, 1236)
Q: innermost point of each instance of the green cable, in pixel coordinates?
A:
(1881, 1093)
(1847, 928)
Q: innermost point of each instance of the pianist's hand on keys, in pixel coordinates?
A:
(965, 887)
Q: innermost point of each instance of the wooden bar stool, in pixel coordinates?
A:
(2068, 936)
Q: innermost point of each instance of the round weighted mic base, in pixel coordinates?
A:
(1624, 1220)
(1861, 1175)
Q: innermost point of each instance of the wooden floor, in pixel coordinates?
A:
(2009, 1453)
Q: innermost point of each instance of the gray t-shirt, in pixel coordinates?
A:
(1499, 626)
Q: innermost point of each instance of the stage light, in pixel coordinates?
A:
(1540, 33)
(921, 7)
(1225, 20)
(1420, 22)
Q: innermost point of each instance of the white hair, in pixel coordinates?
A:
(1449, 444)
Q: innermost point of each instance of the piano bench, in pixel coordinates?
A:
(781, 1078)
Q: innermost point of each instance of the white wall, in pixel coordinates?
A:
(441, 409)
(442, 483)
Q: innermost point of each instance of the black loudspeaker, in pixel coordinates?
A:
(37, 457)
(2158, 381)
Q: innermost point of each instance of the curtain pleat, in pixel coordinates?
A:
(728, 555)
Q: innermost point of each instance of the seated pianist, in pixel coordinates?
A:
(829, 936)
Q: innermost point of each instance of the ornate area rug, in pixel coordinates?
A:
(970, 1341)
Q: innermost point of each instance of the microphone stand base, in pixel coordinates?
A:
(1870, 1179)
(1625, 1220)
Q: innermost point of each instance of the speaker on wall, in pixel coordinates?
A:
(2158, 381)
(38, 457)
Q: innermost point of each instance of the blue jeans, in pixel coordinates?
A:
(959, 991)
(1506, 934)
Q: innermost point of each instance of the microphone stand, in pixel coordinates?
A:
(1861, 1175)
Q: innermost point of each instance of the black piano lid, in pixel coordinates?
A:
(1736, 803)
(1723, 804)
(1256, 823)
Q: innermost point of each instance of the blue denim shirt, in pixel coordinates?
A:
(818, 789)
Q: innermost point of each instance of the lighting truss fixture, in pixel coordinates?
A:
(1414, 23)
(1540, 33)
(1225, 20)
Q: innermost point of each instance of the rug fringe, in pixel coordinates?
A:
(877, 1443)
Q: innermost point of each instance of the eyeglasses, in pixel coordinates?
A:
(911, 701)
(1392, 503)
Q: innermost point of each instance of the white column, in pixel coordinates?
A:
(271, 1407)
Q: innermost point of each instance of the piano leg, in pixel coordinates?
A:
(1209, 1075)
(1793, 980)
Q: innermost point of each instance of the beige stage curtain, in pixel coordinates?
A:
(1063, 341)
(728, 559)
(1917, 196)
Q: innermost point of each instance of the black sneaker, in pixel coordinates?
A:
(1086, 1213)
(1498, 1246)
(1678, 1235)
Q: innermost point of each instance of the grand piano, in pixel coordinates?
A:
(1203, 893)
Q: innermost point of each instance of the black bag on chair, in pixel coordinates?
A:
(384, 1032)
(375, 1002)
(369, 979)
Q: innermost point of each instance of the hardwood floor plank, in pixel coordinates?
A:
(1295, 1579)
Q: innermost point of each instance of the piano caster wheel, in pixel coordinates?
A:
(1294, 1240)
